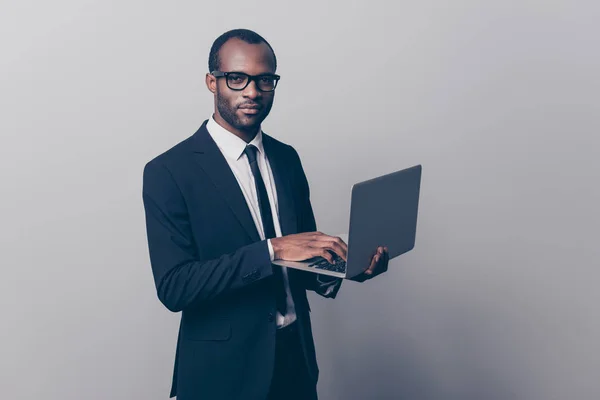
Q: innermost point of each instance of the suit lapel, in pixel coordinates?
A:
(285, 198)
(212, 161)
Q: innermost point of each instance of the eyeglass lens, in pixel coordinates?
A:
(239, 81)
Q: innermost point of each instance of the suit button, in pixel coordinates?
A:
(271, 317)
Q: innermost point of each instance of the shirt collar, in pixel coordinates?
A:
(230, 144)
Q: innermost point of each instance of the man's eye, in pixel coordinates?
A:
(236, 78)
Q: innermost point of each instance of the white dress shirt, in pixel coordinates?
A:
(232, 148)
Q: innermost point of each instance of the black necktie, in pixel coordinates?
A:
(268, 226)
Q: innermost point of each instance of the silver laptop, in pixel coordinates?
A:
(383, 212)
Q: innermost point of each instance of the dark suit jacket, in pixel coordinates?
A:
(208, 261)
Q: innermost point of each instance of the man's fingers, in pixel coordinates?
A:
(327, 242)
(327, 255)
(321, 242)
(340, 250)
(369, 270)
(318, 251)
(377, 259)
(340, 242)
(343, 247)
(318, 235)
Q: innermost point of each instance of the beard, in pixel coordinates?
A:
(228, 113)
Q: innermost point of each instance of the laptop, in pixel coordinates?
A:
(383, 212)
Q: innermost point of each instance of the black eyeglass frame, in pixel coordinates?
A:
(220, 74)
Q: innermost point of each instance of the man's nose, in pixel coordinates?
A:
(251, 91)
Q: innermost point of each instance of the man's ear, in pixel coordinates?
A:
(211, 83)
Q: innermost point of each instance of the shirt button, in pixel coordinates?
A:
(271, 317)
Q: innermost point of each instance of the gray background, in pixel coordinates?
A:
(498, 100)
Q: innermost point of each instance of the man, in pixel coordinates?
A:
(220, 207)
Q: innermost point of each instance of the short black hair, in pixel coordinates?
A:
(246, 35)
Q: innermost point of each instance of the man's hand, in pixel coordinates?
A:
(379, 265)
(302, 246)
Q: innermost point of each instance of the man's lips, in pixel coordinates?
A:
(250, 109)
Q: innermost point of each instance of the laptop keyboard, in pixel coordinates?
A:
(339, 266)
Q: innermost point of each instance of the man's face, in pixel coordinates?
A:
(246, 109)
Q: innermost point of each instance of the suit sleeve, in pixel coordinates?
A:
(323, 285)
(181, 279)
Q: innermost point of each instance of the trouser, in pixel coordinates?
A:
(291, 380)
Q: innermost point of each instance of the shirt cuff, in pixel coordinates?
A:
(329, 280)
(271, 252)
(324, 279)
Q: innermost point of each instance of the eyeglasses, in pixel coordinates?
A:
(239, 80)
